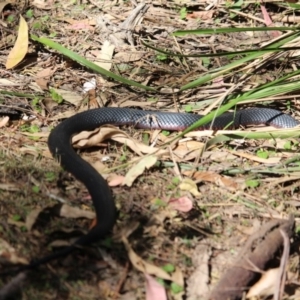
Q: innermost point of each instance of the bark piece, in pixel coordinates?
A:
(259, 250)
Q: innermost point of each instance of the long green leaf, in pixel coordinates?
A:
(220, 71)
(260, 94)
(230, 30)
(221, 54)
(74, 56)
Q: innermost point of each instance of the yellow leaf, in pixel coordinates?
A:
(20, 48)
(190, 186)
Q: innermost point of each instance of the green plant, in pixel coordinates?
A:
(30, 128)
(55, 96)
(165, 132)
(16, 217)
(50, 176)
(10, 19)
(169, 268)
(252, 183)
(176, 288)
(36, 104)
(37, 25)
(29, 13)
(188, 108)
(262, 154)
(36, 189)
(183, 13)
(123, 157)
(206, 62)
(176, 180)
(159, 203)
(161, 57)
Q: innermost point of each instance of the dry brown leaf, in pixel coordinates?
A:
(115, 180)
(42, 78)
(145, 163)
(146, 267)
(9, 187)
(80, 24)
(104, 59)
(6, 82)
(203, 15)
(219, 180)
(86, 21)
(188, 150)
(32, 217)
(126, 57)
(8, 254)
(59, 243)
(96, 137)
(69, 96)
(131, 103)
(68, 211)
(97, 164)
(20, 48)
(271, 160)
(86, 139)
(43, 4)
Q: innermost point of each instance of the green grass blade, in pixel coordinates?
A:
(221, 54)
(220, 71)
(259, 94)
(282, 134)
(81, 60)
(18, 94)
(230, 30)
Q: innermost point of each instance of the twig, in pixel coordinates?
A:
(282, 268)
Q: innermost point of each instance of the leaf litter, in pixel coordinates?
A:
(211, 204)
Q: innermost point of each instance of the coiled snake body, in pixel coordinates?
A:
(61, 148)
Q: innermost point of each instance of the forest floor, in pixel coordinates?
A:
(188, 218)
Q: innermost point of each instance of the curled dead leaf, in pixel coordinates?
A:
(95, 138)
(42, 78)
(145, 163)
(8, 254)
(32, 217)
(68, 211)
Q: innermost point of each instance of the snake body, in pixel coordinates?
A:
(59, 143)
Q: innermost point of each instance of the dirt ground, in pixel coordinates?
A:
(214, 214)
